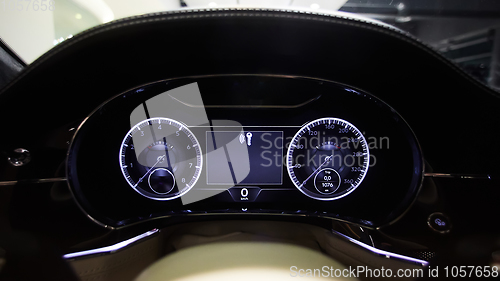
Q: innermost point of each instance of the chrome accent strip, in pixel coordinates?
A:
(112, 248)
(7, 183)
(98, 222)
(33, 181)
(459, 176)
(381, 252)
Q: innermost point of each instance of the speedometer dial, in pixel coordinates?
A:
(160, 158)
(328, 158)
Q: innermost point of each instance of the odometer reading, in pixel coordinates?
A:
(328, 158)
(160, 158)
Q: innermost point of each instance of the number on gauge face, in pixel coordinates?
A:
(328, 158)
(160, 158)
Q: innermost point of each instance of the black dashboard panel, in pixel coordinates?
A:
(453, 116)
(270, 107)
(430, 92)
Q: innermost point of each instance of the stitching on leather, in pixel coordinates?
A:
(233, 12)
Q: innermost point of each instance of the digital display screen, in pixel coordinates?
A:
(244, 157)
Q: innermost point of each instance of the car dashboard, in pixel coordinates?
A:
(199, 116)
(263, 151)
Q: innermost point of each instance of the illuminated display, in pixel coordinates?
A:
(244, 157)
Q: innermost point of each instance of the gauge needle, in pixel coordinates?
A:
(160, 159)
(166, 153)
(327, 159)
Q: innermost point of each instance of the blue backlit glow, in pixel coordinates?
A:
(382, 252)
(112, 248)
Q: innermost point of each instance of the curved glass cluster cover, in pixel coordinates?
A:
(244, 145)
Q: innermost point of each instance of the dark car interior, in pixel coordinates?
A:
(78, 202)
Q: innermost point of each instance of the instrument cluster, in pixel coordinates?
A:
(244, 144)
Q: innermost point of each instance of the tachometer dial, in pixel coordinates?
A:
(160, 158)
(328, 158)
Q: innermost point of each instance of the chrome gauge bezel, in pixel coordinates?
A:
(301, 132)
(171, 122)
